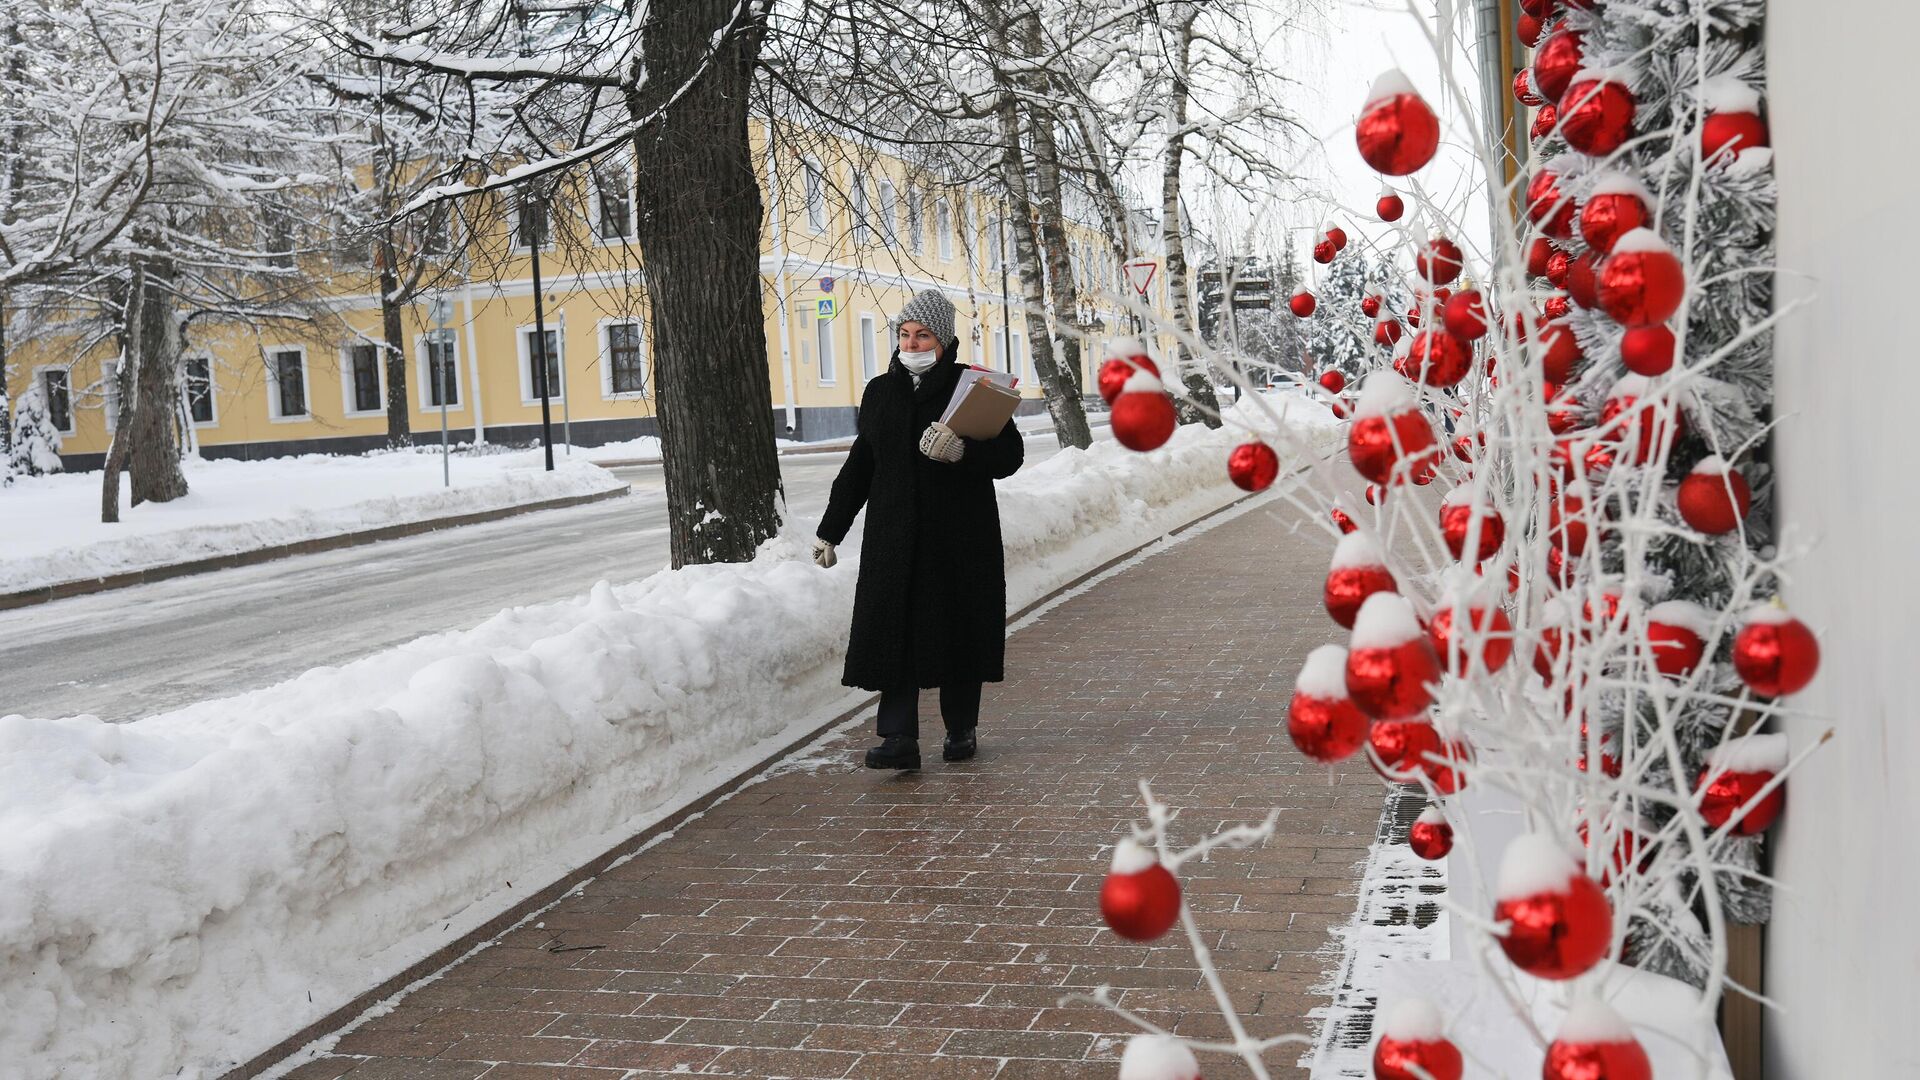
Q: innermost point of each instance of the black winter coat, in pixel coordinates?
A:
(930, 608)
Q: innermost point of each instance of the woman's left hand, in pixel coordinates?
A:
(941, 444)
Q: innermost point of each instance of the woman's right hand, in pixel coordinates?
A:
(823, 553)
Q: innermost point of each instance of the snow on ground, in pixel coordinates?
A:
(50, 528)
(180, 892)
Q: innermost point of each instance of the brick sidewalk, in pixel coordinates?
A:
(833, 922)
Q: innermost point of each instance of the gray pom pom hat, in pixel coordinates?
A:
(931, 309)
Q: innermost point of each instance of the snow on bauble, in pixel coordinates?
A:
(1555, 62)
(1733, 122)
(1594, 1043)
(1125, 358)
(1322, 720)
(1390, 439)
(1677, 636)
(1436, 358)
(1774, 653)
(1253, 466)
(1549, 207)
(1397, 132)
(1440, 261)
(1333, 380)
(1458, 511)
(1642, 281)
(1390, 663)
(1389, 206)
(1465, 315)
(1157, 1057)
(1714, 498)
(1302, 304)
(1143, 416)
(1140, 899)
(1596, 115)
(1413, 1045)
(1735, 775)
(1615, 205)
(1647, 350)
(1560, 920)
(1431, 837)
(1358, 571)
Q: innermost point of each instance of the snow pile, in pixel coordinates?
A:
(180, 892)
(50, 528)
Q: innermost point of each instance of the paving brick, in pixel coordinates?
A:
(836, 923)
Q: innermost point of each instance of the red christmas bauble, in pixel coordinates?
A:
(1775, 654)
(1582, 283)
(1714, 498)
(1140, 899)
(1390, 207)
(1358, 571)
(1391, 681)
(1386, 333)
(1548, 207)
(1463, 447)
(1371, 445)
(1324, 251)
(1641, 283)
(1115, 372)
(1673, 636)
(1417, 1059)
(1400, 747)
(1339, 237)
(1607, 216)
(1557, 306)
(1539, 9)
(1559, 351)
(1430, 837)
(1375, 494)
(1527, 28)
(1338, 409)
(1650, 436)
(1456, 518)
(1253, 466)
(1724, 794)
(1440, 261)
(1596, 116)
(1555, 62)
(1567, 524)
(1557, 269)
(1626, 852)
(1321, 719)
(1465, 315)
(1523, 89)
(1495, 630)
(1342, 521)
(1547, 651)
(1302, 303)
(1370, 305)
(1436, 358)
(1538, 252)
(1557, 932)
(1142, 419)
(1333, 380)
(1596, 1047)
(1731, 132)
(1544, 121)
(1647, 350)
(1397, 132)
(1564, 412)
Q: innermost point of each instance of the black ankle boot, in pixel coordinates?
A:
(960, 746)
(896, 752)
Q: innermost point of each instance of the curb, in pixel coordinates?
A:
(553, 893)
(85, 586)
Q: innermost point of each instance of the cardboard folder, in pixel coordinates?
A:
(982, 404)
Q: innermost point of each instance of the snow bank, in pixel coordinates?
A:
(180, 892)
(50, 528)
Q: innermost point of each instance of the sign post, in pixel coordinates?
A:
(439, 358)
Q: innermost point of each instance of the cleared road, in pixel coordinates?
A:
(130, 652)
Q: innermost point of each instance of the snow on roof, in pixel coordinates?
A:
(1355, 550)
(1750, 753)
(1533, 864)
(1386, 619)
(1324, 676)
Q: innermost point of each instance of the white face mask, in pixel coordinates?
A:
(919, 362)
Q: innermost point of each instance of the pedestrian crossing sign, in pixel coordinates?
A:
(825, 308)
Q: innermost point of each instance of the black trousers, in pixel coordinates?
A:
(900, 710)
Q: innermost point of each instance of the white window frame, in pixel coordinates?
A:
(813, 195)
(823, 346)
(271, 353)
(40, 384)
(1021, 361)
(347, 407)
(604, 330)
(597, 209)
(889, 198)
(423, 373)
(995, 251)
(916, 221)
(869, 346)
(513, 238)
(943, 229)
(858, 207)
(529, 394)
(213, 392)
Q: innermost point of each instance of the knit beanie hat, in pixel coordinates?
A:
(931, 309)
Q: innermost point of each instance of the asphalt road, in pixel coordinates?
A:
(130, 652)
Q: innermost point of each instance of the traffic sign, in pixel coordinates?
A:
(1140, 274)
(825, 308)
(826, 284)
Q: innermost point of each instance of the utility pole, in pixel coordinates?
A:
(439, 358)
(1006, 298)
(539, 351)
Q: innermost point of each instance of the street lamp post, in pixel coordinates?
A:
(539, 351)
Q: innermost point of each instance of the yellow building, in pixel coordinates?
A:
(846, 242)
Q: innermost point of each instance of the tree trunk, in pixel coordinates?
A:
(1053, 231)
(699, 224)
(1200, 404)
(399, 424)
(153, 448)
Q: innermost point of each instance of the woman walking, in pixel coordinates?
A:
(930, 606)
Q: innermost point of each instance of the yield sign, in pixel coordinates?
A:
(1140, 274)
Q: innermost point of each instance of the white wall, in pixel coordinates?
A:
(1844, 949)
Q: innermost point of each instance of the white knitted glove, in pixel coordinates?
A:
(823, 553)
(941, 444)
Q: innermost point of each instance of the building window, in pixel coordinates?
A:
(531, 347)
(289, 392)
(1017, 362)
(816, 196)
(888, 212)
(199, 389)
(530, 228)
(993, 244)
(823, 345)
(869, 346)
(857, 202)
(56, 389)
(614, 198)
(916, 223)
(625, 371)
(943, 228)
(363, 374)
(443, 369)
